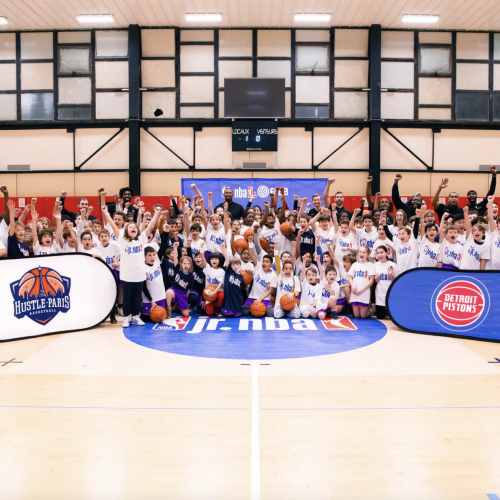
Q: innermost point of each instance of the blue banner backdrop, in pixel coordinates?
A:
(447, 302)
(244, 188)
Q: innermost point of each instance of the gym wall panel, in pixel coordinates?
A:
(41, 149)
(294, 148)
(45, 184)
(268, 156)
(240, 174)
(162, 183)
(279, 174)
(9, 180)
(461, 183)
(87, 184)
(213, 148)
(355, 154)
(113, 155)
(350, 183)
(466, 149)
(179, 140)
(393, 155)
(411, 183)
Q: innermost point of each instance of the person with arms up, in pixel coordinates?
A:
(480, 207)
(339, 201)
(83, 203)
(416, 201)
(452, 208)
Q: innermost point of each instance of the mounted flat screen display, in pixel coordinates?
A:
(255, 135)
(254, 98)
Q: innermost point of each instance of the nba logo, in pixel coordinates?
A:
(343, 323)
(177, 323)
(41, 294)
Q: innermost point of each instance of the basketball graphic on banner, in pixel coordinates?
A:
(263, 191)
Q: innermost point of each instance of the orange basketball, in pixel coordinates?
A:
(36, 280)
(209, 298)
(287, 304)
(157, 314)
(263, 244)
(241, 244)
(257, 309)
(285, 228)
(247, 276)
(247, 233)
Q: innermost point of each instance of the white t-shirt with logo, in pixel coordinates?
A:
(215, 239)
(154, 283)
(132, 258)
(366, 239)
(406, 253)
(110, 253)
(286, 285)
(451, 254)
(4, 232)
(308, 293)
(52, 250)
(324, 294)
(390, 252)
(473, 253)
(324, 237)
(349, 242)
(214, 276)
(360, 273)
(262, 281)
(494, 263)
(428, 252)
(382, 269)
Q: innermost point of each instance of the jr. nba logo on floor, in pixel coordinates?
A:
(460, 304)
(41, 294)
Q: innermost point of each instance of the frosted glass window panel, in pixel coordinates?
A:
(351, 43)
(7, 46)
(434, 114)
(74, 37)
(72, 61)
(434, 90)
(197, 112)
(199, 89)
(312, 112)
(75, 90)
(434, 37)
(397, 105)
(274, 43)
(77, 113)
(37, 76)
(352, 105)
(435, 61)
(312, 89)
(312, 57)
(496, 46)
(496, 107)
(8, 76)
(197, 35)
(472, 76)
(197, 59)
(164, 101)
(37, 46)
(473, 46)
(288, 104)
(111, 105)
(235, 43)
(397, 44)
(8, 107)
(158, 43)
(234, 69)
(158, 74)
(397, 75)
(472, 106)
(37, 106)
(111, 74)
(111, 43)
(275, 69)
(496, 76)
(312, 36)
(351, 74)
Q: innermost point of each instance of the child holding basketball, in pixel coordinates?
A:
(233, 287)
(326, 300)
(288, 289)
(214, 276)
(264, 283)
(153, 291)
(361, 278)
(199, 277)
(385, 272)
(183, 283)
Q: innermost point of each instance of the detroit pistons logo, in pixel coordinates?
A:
(41, 294)
(460, 304)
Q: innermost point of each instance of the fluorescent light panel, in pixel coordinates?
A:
(420, 19)
(95, 18)
(323, 18)
(203, 17)
(3, 20)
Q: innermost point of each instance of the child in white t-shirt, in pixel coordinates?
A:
(309, 289)
(326, 299)
(361, 278)
(428, 249)
(264, 283)
(214, 276)
(367, 236)
(451, 251)
(385, 272)
(44, 241)
(287, 285)
(494, 263)
(477, 246)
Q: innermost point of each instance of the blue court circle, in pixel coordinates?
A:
(242, 339)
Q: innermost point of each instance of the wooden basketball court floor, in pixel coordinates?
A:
(91, 415)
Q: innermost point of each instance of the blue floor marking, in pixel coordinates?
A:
(257, 338)
(389, 408)
(492, 496)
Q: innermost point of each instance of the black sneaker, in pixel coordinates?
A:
(112, 319)
(335, 315)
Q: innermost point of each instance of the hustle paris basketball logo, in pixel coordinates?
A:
(40, 295)
(460, 304)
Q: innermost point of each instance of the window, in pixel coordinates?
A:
(73, 61)
(37, 106)
(473, 106)
(111, 43)
(313, 58)
(434, 61)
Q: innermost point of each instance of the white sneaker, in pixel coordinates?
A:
(120, 311)
(136, 320)
(126, 321)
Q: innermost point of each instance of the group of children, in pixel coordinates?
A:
(287, 262)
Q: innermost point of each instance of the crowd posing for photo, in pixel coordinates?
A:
(311, 260)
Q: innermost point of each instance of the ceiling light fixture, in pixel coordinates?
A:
(95, 18)
(322, 18)
(3, 20)
(420, 19)
(192, 18)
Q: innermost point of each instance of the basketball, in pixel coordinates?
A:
(247, 233)
(157, 314)
(247, 277)
(257, 309)
(285, 228)
(209, 298)
(287, 304)
(241, 244)
(263, 244)
(36, 280)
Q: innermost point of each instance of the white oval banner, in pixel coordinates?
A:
(54, 294)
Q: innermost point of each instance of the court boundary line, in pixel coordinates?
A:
(255, 442)
(389, 408)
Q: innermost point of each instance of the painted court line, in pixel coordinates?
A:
(492, 496)
(114, 408)
(255, 447)
(389, 408)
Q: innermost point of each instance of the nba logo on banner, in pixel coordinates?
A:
(41, 294)
(460, 304)
(178, 323)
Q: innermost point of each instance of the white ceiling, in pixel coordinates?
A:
(60, 14)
